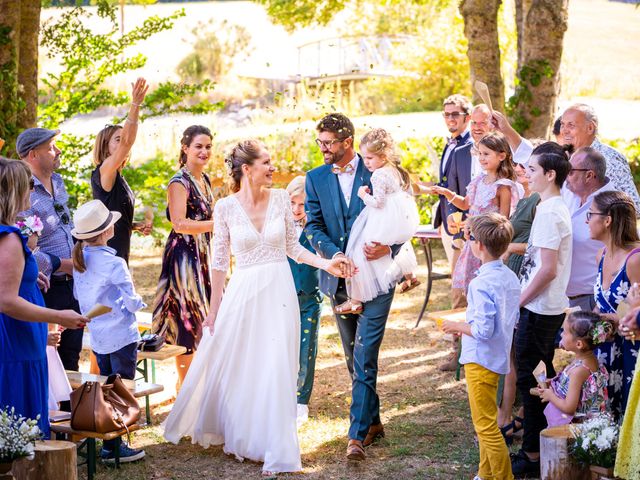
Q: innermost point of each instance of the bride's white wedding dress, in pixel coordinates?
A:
(241, 387)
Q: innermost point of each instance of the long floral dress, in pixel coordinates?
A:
(184, 288)
(620, 355)
(482, 199)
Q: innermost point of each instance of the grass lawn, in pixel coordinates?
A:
(425, 411)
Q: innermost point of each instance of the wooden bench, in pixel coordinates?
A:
(64, 430)
(137, 387)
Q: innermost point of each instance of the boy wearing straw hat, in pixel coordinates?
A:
(100, 277)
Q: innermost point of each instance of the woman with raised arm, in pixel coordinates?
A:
(241, 391)
(110, 155)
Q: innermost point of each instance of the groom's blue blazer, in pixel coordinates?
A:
(329, 220)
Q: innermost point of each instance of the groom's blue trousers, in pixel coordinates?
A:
(361, 337)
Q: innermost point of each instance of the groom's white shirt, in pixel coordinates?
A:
(346, 179)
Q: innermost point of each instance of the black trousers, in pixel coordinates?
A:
(534, 341)
(60, 297)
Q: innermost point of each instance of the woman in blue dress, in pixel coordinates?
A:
(612, 220)
(23, 318)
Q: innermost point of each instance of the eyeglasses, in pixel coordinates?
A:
(64, 216)
(479, 124)
(328, 143)
(591, 214)
(471, 237)
(579, 170)
(453, 115)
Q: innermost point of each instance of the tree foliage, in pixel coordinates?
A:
(88, 60)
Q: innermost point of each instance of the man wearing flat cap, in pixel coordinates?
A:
(37, 147)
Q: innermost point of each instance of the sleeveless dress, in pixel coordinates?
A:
(521, 220)
(241, 388)
(390, 217)
(593, 396)
(628, 458)
(184, 288)
(482, 199)
(23, 359)
(620, 355)
(120, 199)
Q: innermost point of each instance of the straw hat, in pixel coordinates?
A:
(91, 219)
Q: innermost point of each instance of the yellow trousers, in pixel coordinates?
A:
(482, 386)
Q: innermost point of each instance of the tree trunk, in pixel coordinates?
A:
(544, 23)
(519, 27)
(54, 460)
(555, 460)
(481, 31)
(28, 62)
(9, 36)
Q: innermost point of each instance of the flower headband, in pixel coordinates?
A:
(601, 331)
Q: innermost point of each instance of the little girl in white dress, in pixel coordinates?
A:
(390, 217)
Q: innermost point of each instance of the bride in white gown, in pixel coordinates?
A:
(241, 388)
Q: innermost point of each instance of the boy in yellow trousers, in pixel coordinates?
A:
(492, 313)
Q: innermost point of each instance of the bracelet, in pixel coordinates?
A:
(131, 121)
(136, 104)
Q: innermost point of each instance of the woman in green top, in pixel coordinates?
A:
(521, 220)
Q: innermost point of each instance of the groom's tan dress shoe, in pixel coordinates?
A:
(355, 450)
(375, 432)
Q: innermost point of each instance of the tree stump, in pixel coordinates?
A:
(54, 460)
(555, 459)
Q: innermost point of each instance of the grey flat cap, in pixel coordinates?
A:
(32, 138)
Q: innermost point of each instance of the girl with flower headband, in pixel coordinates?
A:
(582, 386)
(390, 217)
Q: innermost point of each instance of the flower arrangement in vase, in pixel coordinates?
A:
(596, 442)
(18, 437)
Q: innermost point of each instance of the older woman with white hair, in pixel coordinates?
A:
(306, 279)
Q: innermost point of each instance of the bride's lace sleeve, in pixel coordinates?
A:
(221, 238)
(381, 184)
(294, 250)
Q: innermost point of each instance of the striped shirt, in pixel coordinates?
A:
(55, 238)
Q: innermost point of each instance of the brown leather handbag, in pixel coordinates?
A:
(103, 408)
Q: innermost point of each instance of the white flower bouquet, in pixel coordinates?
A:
(596, 441)
(18, 436)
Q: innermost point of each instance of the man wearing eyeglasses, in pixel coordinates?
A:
(586, 179)
(456, 117)
(332, 206)
(37, 147)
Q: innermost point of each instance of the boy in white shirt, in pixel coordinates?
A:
(544, 277)
(492, 313)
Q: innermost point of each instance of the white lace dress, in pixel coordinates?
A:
(241, 387)
(390, 217)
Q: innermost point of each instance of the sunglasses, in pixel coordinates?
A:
(64, 216)
(32, 183)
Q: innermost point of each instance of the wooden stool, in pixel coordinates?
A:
(54, 460)
(63, 429)
(555, 460)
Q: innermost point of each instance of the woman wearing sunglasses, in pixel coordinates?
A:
(110, 155)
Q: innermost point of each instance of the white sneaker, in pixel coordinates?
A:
(303, 414)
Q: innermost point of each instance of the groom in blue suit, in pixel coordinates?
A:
(332, 206)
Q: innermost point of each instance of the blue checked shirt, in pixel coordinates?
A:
(55, 238)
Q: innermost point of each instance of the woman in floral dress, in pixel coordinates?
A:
(184, 288)
(612, 220)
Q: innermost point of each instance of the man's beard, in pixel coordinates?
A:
(334, 158)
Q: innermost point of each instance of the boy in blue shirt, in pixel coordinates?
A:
(492, 312)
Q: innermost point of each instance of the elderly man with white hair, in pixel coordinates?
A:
(579, 127)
